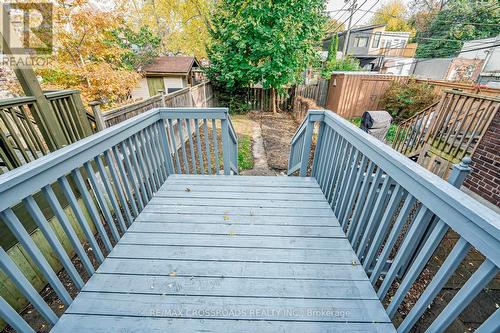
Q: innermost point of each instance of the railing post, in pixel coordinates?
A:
(162, 93)
(226, 150)
(99, 119)
(81, 113)
(306, 149)
(460, 172)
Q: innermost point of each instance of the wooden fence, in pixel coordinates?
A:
(201, 95)
(260, 99)
(441, 85)
(351, 94)
(317, 92)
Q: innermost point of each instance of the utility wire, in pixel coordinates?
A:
(430, 59)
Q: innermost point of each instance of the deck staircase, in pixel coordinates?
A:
(180, 243)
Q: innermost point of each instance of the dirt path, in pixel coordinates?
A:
(261, 168)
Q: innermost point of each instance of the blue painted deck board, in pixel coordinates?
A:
(230, 254)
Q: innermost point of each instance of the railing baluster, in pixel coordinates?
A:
(15, 226)
(320, 175)
(142, 165)
(346, 167)
(446, 270)
(174, 146)
(126, 182)
(101, 201)
(338, 150)
(165, 147)
(319, 149)
(94, 214)
(207, 147)
(140, 192)
(51, 198)
(306, 150)
(118, 186)
(191, 146)
(225, 146)
(484, 274)
(216, 147)
(12, 318)
(21, 282)
(149, 159)
(52, 239)
(180, 128)
(138, 171)
(376, 211)
(367, 204)
(111, 194)
(353, 189)
(198, 144)
(359, 204)
(155, 146)
(392, 238)
(416, 230)
(384, 224)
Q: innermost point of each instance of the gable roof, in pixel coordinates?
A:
(175, 64)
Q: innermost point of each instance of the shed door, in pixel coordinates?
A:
(155, 84)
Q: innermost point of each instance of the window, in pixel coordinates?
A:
(361, 42)
(376, 39)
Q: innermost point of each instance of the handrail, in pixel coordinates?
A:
(114, 173)
(375, 192)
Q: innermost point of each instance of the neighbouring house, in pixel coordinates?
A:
(373, 46)
(485, 53)
(168, 73)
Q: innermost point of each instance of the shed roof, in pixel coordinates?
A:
(174, 64)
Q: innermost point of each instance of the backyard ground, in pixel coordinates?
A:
(270, 136)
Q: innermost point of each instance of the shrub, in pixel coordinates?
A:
(403, 99)
(235, 100)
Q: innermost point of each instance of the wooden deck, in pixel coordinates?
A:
(230, 254)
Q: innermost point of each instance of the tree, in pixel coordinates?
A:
(142, 47)
(84, 58)
(459, 21)
(267, 42)
(393, 14)
(181, 25)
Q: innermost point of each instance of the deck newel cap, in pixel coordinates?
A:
(460, 172)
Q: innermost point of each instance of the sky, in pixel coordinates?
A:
(336, 5)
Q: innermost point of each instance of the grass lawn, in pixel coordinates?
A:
(245, 156)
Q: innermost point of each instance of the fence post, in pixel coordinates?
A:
(99, 119)
(306, 149)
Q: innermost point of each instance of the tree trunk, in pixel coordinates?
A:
(273, 99)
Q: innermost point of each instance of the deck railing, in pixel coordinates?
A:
(24, 134)
(396, 214)
(115, 172)
(411, 133)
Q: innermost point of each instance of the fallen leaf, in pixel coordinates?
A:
(61, 306)
(232, 233)
(226, 217)
(188, 189)
(174, 273)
